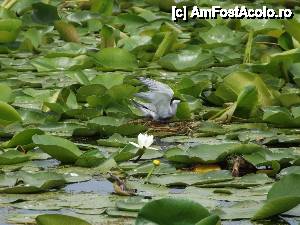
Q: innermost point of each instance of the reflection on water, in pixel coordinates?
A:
(3, 213)
(103, 187)
(176, 190)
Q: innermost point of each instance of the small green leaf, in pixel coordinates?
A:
(57, 219)
(112, 59)
(8, 114)
(59, 148)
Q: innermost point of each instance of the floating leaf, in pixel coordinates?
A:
(209, 153)
(24, 182)
(44, 13)
(59, 148)
(43, 64)
(57, 219)
(109, 125)
(13, 157)
(108, 80)
(104, 7)
(190, 178)
(235, 83)
(6, 93)
(90, 158)
(111, 59)
(173, 211)
(283, 196)
(8, 114)
(23, 138)
(9, 29)
(292, 27)
(187, 60)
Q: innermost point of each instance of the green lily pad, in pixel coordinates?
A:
(145, 168)
(9, 29)
(90, 158)
(221, 34)
(187, 60)
(8, 114)
(234, 84)
(133, 204)
(116, 140)
(206, 153)
(24, 138)
(57, 219)
(189, 178)
(24, 182)
(249, 180)
(59, 148)
(6, 93)
(281, 116)
(109, 125)
(109, 80)
(43, 64)
(173, 211)
(283, 196)
(13, 157)
(44, 13)
(112, 59)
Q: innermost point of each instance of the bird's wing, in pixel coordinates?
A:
(147, 108)
(158, 99)
(156, 86)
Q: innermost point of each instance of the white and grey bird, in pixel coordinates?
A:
(160, 102)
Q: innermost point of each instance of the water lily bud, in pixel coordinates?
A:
(156, 162)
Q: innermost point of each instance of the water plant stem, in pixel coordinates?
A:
(248, 50)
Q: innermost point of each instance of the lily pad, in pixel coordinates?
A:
(24, 182)
(283, 196)
(59, 148)
(189, 178)
(8, 114)
(111, 59)
(9, 29)
(13, 157)
(109, 125)
(174, 211)
(206, 153)
(24, 138)
(188, 60)
(57, 219)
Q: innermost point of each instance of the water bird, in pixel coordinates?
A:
(161, 104)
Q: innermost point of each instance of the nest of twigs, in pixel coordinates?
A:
(162, 129)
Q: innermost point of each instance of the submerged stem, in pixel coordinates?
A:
(248, 50)
(149, 174)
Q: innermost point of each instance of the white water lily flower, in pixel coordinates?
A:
(144, 141)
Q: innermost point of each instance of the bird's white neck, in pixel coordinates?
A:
(174, 106)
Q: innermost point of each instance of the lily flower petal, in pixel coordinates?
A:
(148, 141)
(141, 140)
(134, 144)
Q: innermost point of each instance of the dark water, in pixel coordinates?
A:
(103, 187)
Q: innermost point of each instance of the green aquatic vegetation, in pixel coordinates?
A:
(174, 211)
(69, 72)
